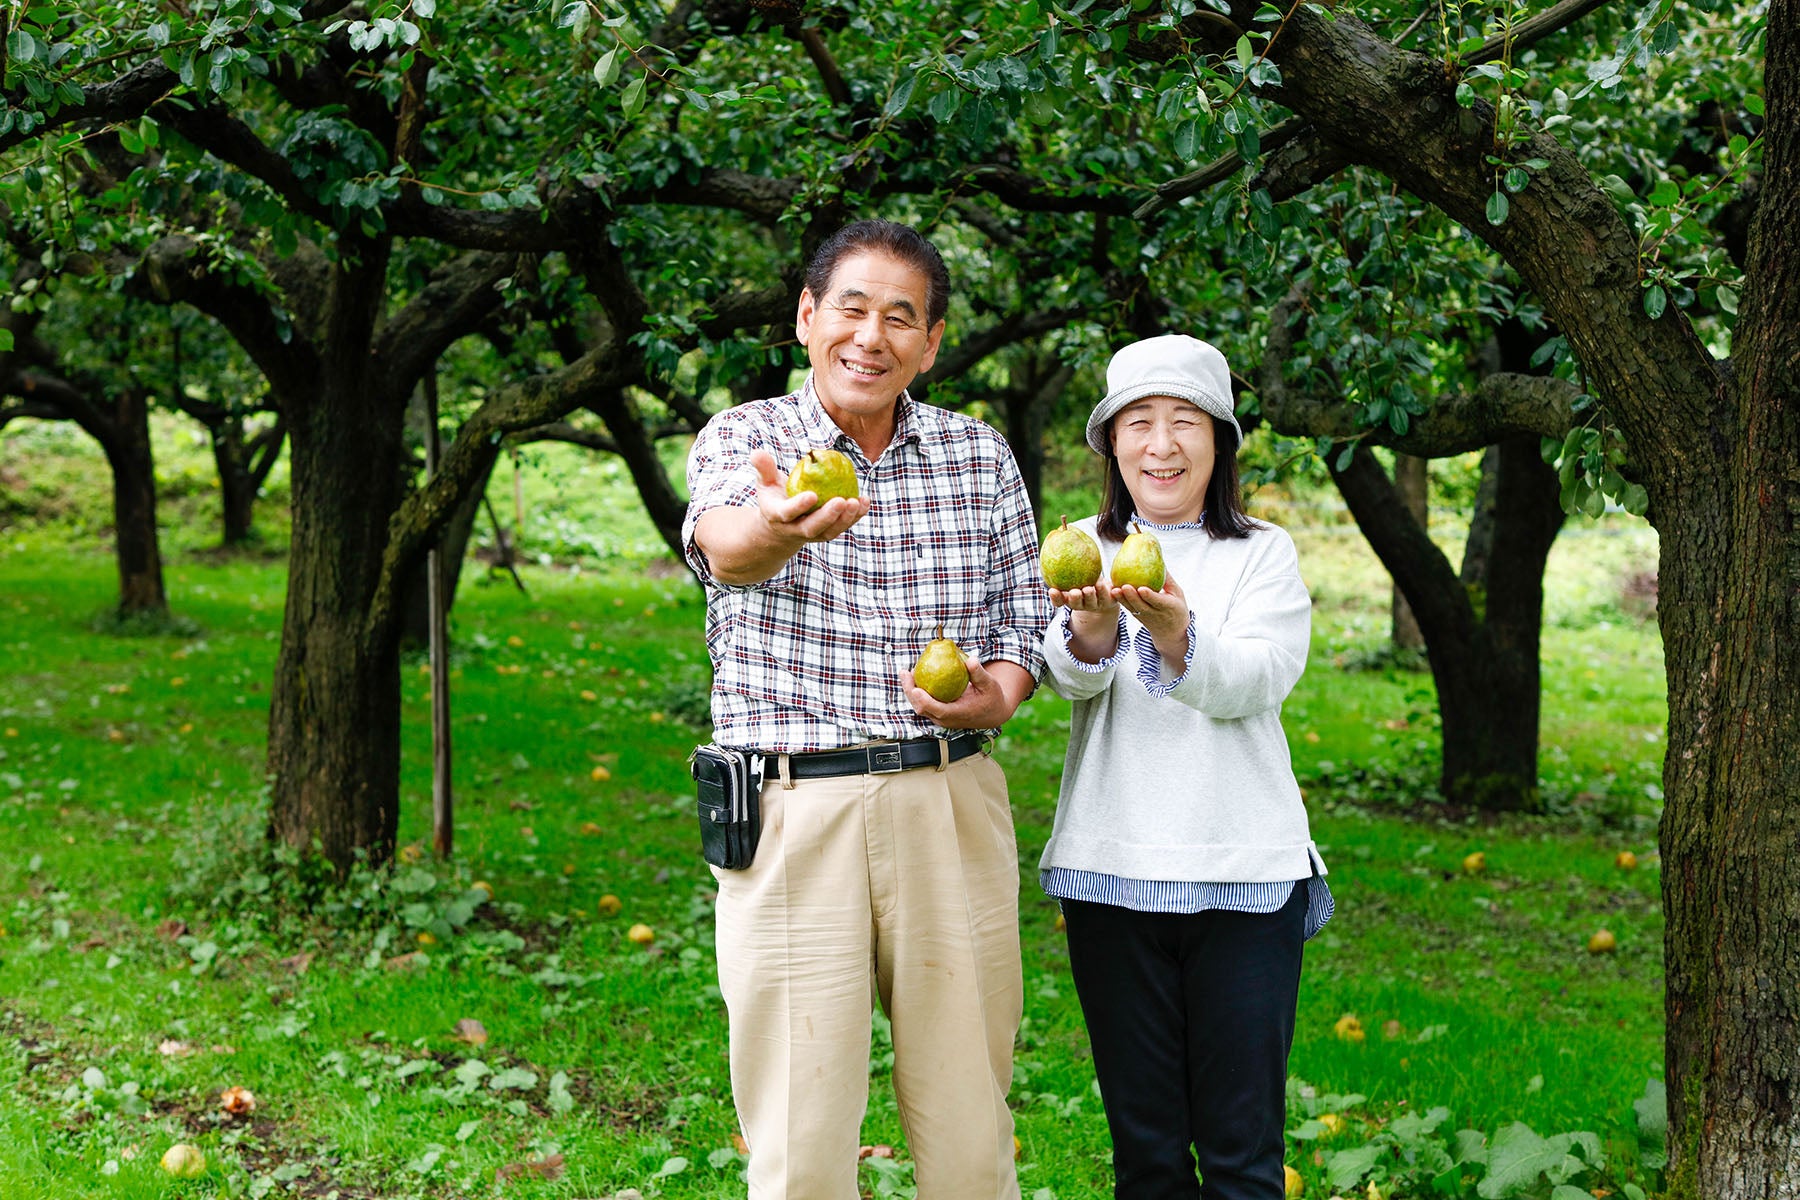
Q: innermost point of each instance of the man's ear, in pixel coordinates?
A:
(932, 341)
(803, 316)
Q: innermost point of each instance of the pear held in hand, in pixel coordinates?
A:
(941, 670)
(826, 473)
(1070, 559)
(1139, 562)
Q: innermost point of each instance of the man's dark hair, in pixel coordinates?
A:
(1224, 516)
(889, 237)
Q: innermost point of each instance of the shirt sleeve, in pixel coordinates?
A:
(1256, 657)
(719, 475)
(1068, 676)
(1018, 604)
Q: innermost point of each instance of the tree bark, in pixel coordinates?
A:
(334, 717)
(1729, 607)
(1412, 480)
(137, 547)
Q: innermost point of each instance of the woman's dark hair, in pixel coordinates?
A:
(1224, 516)
(889, 237)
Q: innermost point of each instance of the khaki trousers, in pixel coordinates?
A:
(904, 886)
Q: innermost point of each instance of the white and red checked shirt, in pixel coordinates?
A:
(810, 659)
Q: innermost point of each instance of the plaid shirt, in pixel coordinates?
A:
(810, 659)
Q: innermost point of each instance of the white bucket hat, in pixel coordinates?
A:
(1174, 364)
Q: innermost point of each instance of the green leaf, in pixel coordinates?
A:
(1517, 180)
(1346, 1168)
(673, 1166)
(424, 9)
(1754, 104)
(1728, 299)
(1245, 53)
(1344, 457)
(6, 341)
(1655, 300)
(1497, 208)
(21, 46)
(1187, 139)
(607, 69)
(902, 96)
(1665, 193)
(633, 99)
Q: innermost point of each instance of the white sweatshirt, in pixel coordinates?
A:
(1184, 775)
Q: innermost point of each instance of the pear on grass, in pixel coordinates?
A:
(941, 670)
(1139, 562)
(1070, 559)
(826, 473)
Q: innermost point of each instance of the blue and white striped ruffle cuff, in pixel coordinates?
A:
(1175, 896)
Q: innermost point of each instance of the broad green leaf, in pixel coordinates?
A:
(1497, 208)
(1187, 138)
(424, 9)
(1728, 299)
(607, 68)
(1245, 53)
(633, 100)
(902, 96)
(1346, 1168)
(21, 46)
(6, 341)
(1517, 180)
(1655, 300)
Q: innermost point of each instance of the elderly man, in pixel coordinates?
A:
(887, 862)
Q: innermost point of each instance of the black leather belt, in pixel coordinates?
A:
(881, 758)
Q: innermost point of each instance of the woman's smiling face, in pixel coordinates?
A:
(1165, 452)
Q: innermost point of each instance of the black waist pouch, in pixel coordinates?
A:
(729, 805)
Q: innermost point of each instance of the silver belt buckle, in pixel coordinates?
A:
(884, 760)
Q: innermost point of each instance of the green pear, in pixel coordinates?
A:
(1070, 558)
(1139, 562)
(826, 473)
(941, 670)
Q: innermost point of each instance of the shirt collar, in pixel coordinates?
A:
(821, 430)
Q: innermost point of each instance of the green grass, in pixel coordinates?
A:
(130, 793)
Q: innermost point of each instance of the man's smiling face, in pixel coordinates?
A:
(866, 336)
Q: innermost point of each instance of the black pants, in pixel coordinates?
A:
(1191, 1017)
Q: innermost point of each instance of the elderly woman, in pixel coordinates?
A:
(1181, 855)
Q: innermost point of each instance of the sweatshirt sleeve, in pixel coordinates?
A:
(1070, 677)
(1252, 663)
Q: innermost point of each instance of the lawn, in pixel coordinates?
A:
(153, 956)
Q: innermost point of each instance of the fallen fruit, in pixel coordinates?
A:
(427, 938)
(643, 935)
(1603, 942)
(610, 905)
(591, 829)
(1332, 1122)
(1291, 1183)
(1018, 1148)
(237, 1101)
(1348, 1028)
(183, 1161)
(1062, 923)
(1627, 861)
(471, 1031)
(1475, 863)
(600, 774)
(484, 887)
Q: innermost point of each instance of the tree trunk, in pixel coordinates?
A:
(237, 488)
(664, 505)
(1412, 481)
(1482, 641)
(334, 719)
(134, 508)
(1729, 607)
